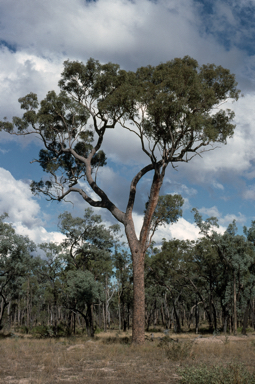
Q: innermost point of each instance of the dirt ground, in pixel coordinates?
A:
(110, 358)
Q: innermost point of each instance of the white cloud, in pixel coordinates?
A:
(235, 158)
(229, 218)
(212, 212)
(218, 185)
(224, 220)
(131, 32)
(249, 193)
(24, 212)
(39, 234)
(16, 199)
(182, 230)
(22, 73)
(4, 151)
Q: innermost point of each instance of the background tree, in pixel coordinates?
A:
(173, 109)
(123, 276)
(15, 263)
(80, 293)
(235, 253)
(50, 269)
(88, 247)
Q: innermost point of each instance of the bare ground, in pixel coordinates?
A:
(108, 359)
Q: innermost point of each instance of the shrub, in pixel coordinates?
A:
(230, 374)
(42, 331)
(174, 349)
(178, 351)
(22, 329)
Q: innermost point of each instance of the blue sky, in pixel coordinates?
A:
(36, 37)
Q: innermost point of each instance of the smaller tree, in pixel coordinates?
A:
(81, 292)
(15, 262)
(88, 246)
(49, 269)
(235, 253)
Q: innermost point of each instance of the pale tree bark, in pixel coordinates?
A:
(234, 302)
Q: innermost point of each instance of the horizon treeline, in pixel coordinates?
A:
(85, 284)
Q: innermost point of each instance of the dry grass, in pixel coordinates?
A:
(110, 359)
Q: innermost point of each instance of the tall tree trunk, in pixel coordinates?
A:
(18, 320)
(139, 300)
(214, 317)
(162, 316)
(28, 305)
(197, 317)
(234, 302)
(138, 249)
(74, 323)
(90, 320)
(177, 320)
(138, 323)
(124, 315)
(119, 310)
(252, 317)
(128, 315)
(104, 317)
(4, 304)
(245, 317)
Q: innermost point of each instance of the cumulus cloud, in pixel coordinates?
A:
(226, 162)
(22, 73)
(23, 210)
(16, 199)
(132, 33)
(38, 36)
(182, 230)
(249, 193)
(224, 220)
(39, 234)
(217, 185)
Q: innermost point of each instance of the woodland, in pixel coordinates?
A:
(85, 284)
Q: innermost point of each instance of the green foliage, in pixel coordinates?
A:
(15, 263)
(179, 97)
(82, 287)
(42, 331)
(168, 211)
(204, 374)
(88, 243)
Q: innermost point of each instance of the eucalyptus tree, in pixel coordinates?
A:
(167, 269)
(80, 292)
(123, 276)
(206, 278)
(87, 243)
(236, 255)
(249, 288)
(15, 263)
(88, 247)
(49, 269)
(172, 109)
